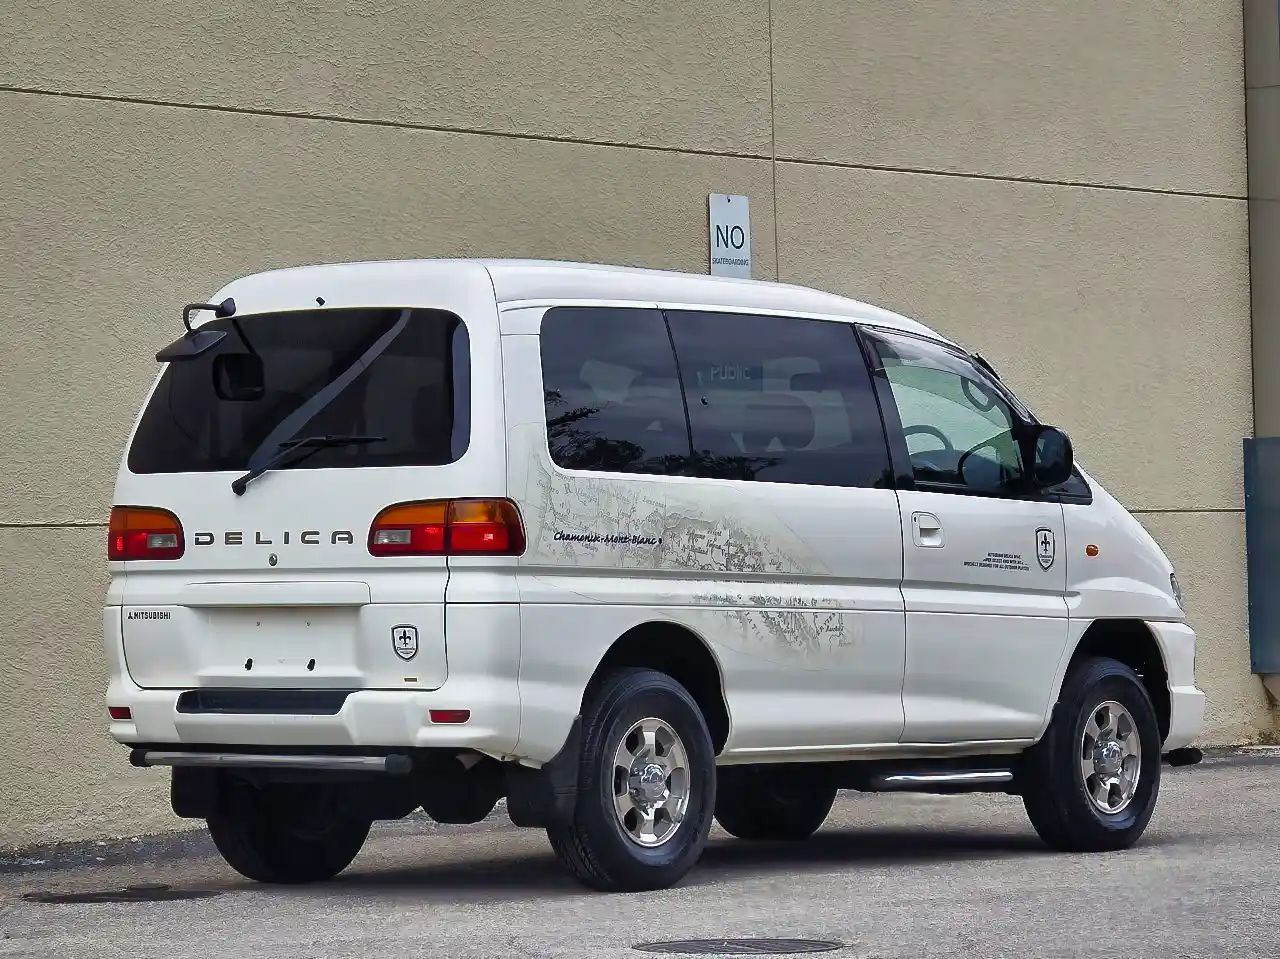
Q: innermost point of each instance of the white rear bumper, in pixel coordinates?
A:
(483, 678)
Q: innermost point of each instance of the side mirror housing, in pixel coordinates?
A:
(238, 377)
(1053, 458)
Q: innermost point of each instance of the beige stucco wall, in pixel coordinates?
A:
(1262, 98)
(1061, 184)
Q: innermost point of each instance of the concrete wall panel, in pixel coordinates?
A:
(1125, 92)
(1264, 143)
(1122, 316)
(64, 778)
(1262, 43)
(667, 72)
(1264, 253)
(116, 218)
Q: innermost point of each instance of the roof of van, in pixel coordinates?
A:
(543, 280)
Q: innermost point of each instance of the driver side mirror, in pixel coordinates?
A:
(238, 377)
(1053, 458)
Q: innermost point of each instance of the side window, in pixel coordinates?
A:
(780, 400)
(612, 392)
(958, 427)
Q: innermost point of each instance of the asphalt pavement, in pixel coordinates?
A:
(888, 876)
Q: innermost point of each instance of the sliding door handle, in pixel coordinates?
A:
(926, 531)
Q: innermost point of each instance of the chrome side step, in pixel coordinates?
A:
(959, 780)
(396, 765)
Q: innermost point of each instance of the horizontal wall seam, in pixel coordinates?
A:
(1034, 181)
(1212, 510)
(582, 141)
(53, 525)
(373, 122)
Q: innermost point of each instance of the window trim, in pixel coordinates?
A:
(871, 334)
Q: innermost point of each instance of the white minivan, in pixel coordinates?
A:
(631, 550)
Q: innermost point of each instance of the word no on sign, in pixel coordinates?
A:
(730, 223)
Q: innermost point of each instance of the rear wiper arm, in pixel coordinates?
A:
(310, 444)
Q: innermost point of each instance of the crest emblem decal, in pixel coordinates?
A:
(404, 640)
(1046, 547)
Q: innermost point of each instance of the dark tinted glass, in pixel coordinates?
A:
(399, 374)
(1074, 488)
(611, 391)
(779, 400)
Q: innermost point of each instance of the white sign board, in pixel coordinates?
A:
(730, 225)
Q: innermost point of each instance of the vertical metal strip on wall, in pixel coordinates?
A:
(1262, 549)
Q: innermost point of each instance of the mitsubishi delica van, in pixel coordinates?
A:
(630, 550)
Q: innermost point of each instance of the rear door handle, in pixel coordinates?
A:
(926, 531)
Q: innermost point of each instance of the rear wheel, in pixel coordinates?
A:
(1091, 783)
(773, 802)
(646, 786)
(285, 833)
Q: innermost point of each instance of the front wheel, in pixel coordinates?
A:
(285, 833)
(1090, 785)
(646, 786)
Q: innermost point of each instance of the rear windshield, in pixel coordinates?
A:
(400, 375)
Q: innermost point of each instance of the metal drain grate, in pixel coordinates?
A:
(154, 893)
(739, 947)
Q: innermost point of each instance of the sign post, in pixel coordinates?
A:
(729, 222)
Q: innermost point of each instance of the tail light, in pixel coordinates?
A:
(142, 532)
(460, 527)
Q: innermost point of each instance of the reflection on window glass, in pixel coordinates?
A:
(959, 430)
(779, 400)
(612, 393)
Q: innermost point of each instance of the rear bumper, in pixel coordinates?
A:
(483, 679)
(373, 718)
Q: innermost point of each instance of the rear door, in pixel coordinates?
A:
(277, 587)
(983, 576)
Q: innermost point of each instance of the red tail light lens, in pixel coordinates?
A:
(455, 716)
(120, 713)
(141, 532)
(460, 527)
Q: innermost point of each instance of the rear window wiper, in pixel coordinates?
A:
(308, 444)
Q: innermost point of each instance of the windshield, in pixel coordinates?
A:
(400, 375)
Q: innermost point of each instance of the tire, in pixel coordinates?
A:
(1054, 787)
(597, 848)
(285, 834)
(773, 802)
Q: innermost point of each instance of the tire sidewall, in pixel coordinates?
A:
(1114, 682)
(661, 697)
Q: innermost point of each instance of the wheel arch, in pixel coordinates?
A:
(1129, 641)
(682, 654)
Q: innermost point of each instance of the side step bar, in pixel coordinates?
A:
(395, 765)
(951, 781)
